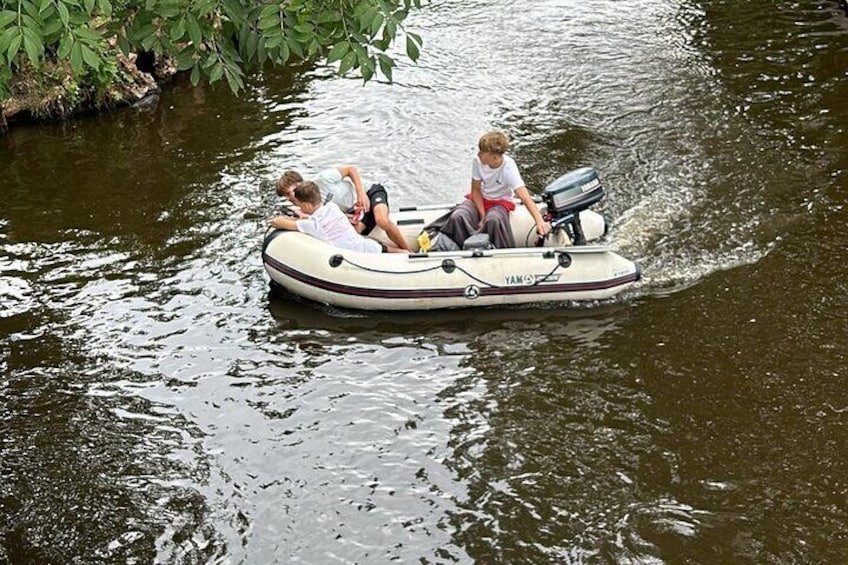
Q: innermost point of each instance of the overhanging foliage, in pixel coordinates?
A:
(213, 39)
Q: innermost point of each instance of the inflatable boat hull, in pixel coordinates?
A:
(314, 270)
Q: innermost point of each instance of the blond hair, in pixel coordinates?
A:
(494, 142)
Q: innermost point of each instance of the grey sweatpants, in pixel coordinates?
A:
(463, 221)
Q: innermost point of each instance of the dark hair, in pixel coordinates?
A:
(288, 178)
(307, 191)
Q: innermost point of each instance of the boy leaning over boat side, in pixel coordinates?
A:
(343, 187)
(326, 223)
(494, 180)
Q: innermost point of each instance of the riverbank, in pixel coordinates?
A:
(53, 93)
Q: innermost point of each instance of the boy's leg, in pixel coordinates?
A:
(382, 219)
(379, 216)
(497, 225)
(462, 222)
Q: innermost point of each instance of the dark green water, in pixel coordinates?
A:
(157, 407)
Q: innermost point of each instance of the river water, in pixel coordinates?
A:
(157, 406)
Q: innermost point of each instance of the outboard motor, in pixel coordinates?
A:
(567, 196)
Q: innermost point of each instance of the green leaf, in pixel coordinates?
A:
(32, 46)
(195, 75)
(63, 12)
(31, 10)
(93, 36)
(178, 31)
(206, 7)
(194, 30)
(386, 65)
(105, 7)
(366, 18)
(15, 45)
(234, 80)
(185, 60)
(390, 30)
(79, 18)
(6, 40)
(270, 11)
(269, 23)
(367, 61)
(376, 23)
(361, 8)
(235, 13)
(65, 45)
(415, 37)
(148, 42)
(285, 53)
(7, 17)
(252, 44)
(76, 58)
(314, 48)
(367, 72)
(411, 49)
(51, 30)
(338, 51)
(32, 23)
(89, 6)
(347, 63)
(328, 17)
(90, 58)
(124, 44)
(274, 41)
(170, 12)
(295, 47)
(217, 72)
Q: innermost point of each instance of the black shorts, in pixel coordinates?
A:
(376, 195)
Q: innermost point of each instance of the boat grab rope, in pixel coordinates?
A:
(449, 266)
(337, 260)
(536, 282)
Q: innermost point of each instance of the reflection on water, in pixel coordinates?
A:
(156, 405)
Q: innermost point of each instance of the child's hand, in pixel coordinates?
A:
(358, 212)
(362, 203)
(543, 229)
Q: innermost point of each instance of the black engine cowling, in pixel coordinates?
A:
(573, 192)
(570, 194)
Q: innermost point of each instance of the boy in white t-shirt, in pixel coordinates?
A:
(494, 180)
(326, 223)
(343, 187)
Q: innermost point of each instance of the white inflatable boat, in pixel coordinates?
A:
(564, 269)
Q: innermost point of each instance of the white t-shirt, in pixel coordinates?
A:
(500, 183)
(340, 191)
(330, 225)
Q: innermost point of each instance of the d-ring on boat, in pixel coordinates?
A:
(566, 268)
